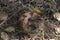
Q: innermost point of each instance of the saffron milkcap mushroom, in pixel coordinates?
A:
(57, 16)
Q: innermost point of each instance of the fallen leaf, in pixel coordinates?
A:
(4, 36)
(9, 29)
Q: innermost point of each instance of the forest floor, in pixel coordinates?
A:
(29, 19)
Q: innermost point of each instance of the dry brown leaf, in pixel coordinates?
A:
(4, 36)
(3, 16)
(10, 29)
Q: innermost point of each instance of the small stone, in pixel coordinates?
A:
(57, 16)
(57, 30)
(4, 36)
(10, 29)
